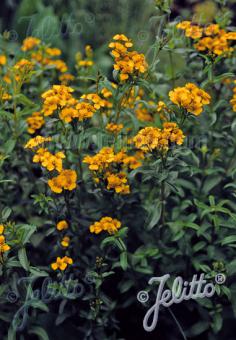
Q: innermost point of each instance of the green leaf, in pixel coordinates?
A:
(228, 240)
(40, 332)
(123, 260)
(154, 215)
(197, 328)
(6, 212)
(23, 259)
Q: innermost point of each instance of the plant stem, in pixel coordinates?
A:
(172, 70)
(163, 159)
(177, 323)
(67, 202)
(163, 203)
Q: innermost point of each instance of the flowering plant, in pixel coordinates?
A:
(110, 178)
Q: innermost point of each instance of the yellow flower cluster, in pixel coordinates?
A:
(105, 158)
(163, 110)
(114, 128)
(84, 110)
(42, 54)
(4, 95)
(22, 70)
(111, 225)
(29, 43)
(128, 63)
(59, 64)
(118, 182)
(4, 247)
(106, 93)
(58, 97)
(65, 180)
(233, 100)
(66, 78)
(88, 61)
(105, 164)
(35, 122)
(191, 30)
(62, 263)
(94, 99)
(211, 39)
(24, 65)
(145, 113)
(152, 138)
(36, 141)
(190, 97)
(49, 161)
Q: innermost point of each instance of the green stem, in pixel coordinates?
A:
(177, 323)
(172, 69)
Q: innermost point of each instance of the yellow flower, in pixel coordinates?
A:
(65, 241)
(36, 141)
(191, 30)
(4, 247)
(128, 63)
(3, 59)
(190, 97)
(58, 97)
(24, 65)
(62, 225)
(152, 138)
(144, 113)
(184, 25)
(211, 39)
(59, 64)
(4, 95)
(132, 162)
(147, 138)
(106, 93)
(35, 122)
(53, 52)
(194, 32)
(230, 35)
(67, 114)
(61, 263)
(1, 229)
(94, 99)
(85, 110)
(212, 29)
(49, 161)
(88, 51)
(29, 43)
(88, 62)
(105, 224)
(66, 78)
(101, 160)
(114, 128)
(233, 100)
(65, 180)
(118, 182)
